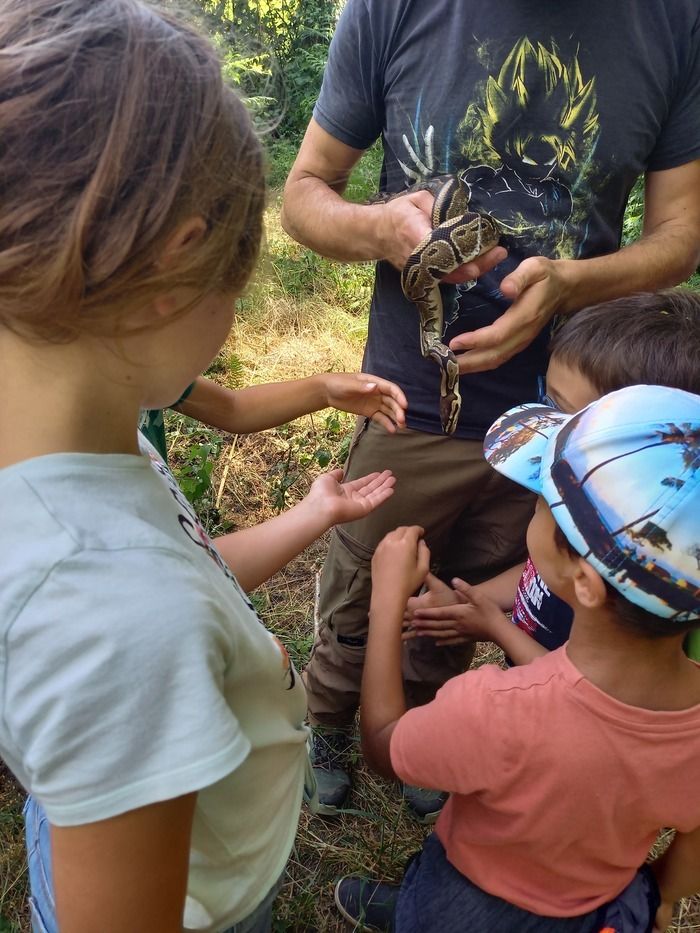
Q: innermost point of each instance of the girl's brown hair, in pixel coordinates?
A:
(115, 126)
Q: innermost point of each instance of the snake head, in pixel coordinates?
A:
(488, 229)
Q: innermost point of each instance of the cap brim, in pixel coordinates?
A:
(516, 443)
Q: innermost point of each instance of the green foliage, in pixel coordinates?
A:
(634, 214)
(307, 449)
(275, 52)
(193, 451)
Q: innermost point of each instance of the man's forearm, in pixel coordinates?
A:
(317, 216)
(659, 259)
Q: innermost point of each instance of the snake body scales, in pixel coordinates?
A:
(458, 236)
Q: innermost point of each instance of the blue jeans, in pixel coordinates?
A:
(435, 896)
(42, 907)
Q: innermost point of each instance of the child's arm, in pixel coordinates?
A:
(255, 554)
(474, 617)
(125, 873)
(677, 872)
(502, 588)
(255, 408)
(399, 566)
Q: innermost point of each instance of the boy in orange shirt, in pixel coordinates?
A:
(561, 771)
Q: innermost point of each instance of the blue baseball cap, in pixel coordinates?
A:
(622, 478)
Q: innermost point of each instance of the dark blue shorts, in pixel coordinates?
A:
(436, 897)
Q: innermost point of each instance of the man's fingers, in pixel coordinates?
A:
(531, 270)
(385, 421)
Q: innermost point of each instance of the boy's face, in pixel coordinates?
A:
(568, 388)
(546, 555)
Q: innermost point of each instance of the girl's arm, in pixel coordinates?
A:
(399, 566)
(677, 872)
(255, 554)
(255, 408)
(125, 873)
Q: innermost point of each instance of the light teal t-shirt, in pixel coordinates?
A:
(133, 669)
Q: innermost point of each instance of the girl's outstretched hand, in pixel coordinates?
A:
(345, 502)
(363, 394)
(400, 563)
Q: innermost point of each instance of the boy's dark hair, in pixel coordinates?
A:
(649, 338)
(629, 614)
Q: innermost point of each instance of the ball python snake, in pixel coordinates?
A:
(458, 236)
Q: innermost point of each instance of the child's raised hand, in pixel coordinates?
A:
(400, 563)
(362, 394)
(345, 502)
(473, 618)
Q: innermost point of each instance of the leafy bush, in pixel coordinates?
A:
(275, 52)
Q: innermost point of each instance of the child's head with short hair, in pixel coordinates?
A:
(116, 128)
(651, 338)
(621, 480)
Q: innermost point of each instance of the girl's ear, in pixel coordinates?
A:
(588, 585)
(187, 235)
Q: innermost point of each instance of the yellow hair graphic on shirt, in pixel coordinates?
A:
(538, 112)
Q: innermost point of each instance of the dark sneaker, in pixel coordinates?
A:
(329, 754)
(425, 805)
(367, 904)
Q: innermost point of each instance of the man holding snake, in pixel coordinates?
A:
(547, 113)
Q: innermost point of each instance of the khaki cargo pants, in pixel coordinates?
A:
(475, 522)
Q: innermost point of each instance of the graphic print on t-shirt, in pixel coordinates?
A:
(539, 612)
(528, 137)
(192, 527)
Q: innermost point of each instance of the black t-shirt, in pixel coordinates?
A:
(550, 110)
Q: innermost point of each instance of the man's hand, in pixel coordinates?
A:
(400, 563)
(346, 502)
(537, 288)
(406, 221)
(471, 616)
(363, 394)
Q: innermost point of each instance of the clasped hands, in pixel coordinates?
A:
(450, 615)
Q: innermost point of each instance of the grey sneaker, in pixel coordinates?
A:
(368, 905)
(329, 758)
(425, 805)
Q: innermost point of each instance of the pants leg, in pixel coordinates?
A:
(434, 896)
(474, 522)
(42, 907)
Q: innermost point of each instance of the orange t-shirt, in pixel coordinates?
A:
(557, 789)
